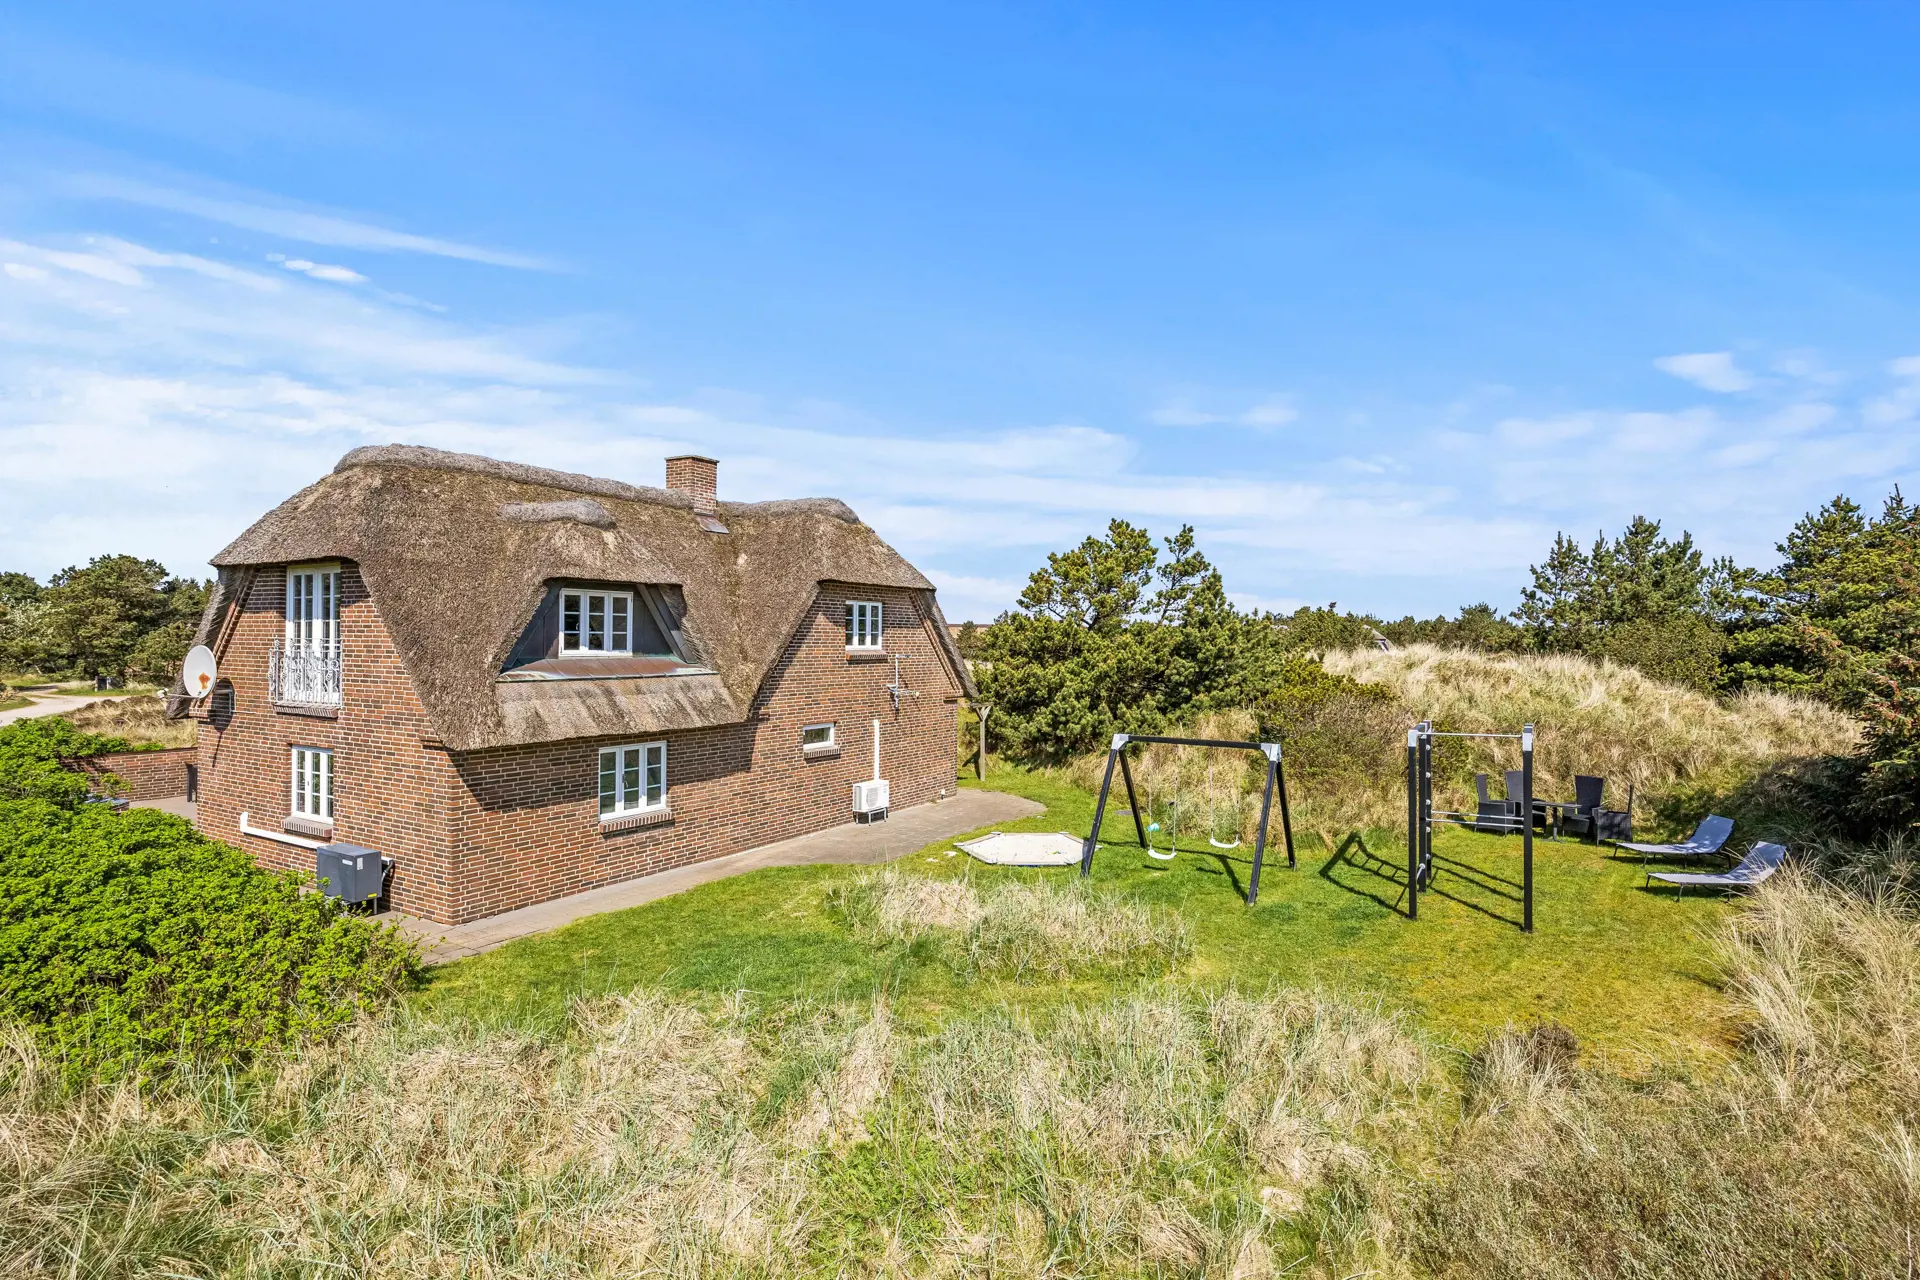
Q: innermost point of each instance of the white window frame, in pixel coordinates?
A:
(583, 627)
(865, 633)
(313, 607)
(310, 783)
(832, 740)
(633, 763)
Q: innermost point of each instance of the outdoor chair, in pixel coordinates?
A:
(1709, 838)
(1587, 793)
(1761, 861)
(1494, 817)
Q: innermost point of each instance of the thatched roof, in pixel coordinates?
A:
(457, 550)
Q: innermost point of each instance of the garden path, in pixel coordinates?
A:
(903, 832)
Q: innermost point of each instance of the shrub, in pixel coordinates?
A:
(129, 936)
(32, 756)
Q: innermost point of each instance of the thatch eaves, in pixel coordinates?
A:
(456, 551)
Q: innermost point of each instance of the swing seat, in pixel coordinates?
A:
(1168, 856)
(1235, 844)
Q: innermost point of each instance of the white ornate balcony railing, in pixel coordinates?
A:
(304, 675)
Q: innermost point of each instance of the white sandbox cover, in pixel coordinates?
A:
(1025, 849)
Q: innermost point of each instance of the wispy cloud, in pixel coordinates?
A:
(163, 400)
(288, 223)
(1709, 370)
(1182, 411)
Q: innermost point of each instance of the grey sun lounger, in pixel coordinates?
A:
(1762, 861)
(1709, 837)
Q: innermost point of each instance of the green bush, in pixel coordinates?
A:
(32, 756)
(129, 937)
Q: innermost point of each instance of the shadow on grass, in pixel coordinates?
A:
(1353, 853)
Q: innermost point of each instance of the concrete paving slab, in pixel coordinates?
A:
(180, 806)
(853, 843)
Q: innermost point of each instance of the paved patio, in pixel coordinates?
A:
(902, 833)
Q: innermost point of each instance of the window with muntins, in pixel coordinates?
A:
(816, 736)
(633, 779)
(312, 789)
(313, 606)
(596, 622)
(863, 624)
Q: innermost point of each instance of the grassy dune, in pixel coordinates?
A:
(1156, 1130)
(1681, 752)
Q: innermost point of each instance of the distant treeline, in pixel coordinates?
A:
(1121, 635)
(120, 617)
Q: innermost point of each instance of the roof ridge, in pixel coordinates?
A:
(421, 457)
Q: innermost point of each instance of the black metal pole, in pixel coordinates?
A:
(1286, 818)
(1526, 848)
(1133, 801)
(1260, 841)
(1099, 815)
(1413, 824)
(1426, 805)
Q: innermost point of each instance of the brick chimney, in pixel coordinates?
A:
(697, 477)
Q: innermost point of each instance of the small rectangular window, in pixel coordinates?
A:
(596, 622)
(816, 736)
(633, 779)
(863, 624)
(312, 783)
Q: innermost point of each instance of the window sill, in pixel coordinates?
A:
(866, 655)
(303, 826)
(311, 710)
(632, 821)
(820, 753)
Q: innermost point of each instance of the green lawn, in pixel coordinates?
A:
(9, 702)
(1629, 971)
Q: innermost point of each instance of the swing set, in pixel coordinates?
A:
(1421, 741)
(1276, 781)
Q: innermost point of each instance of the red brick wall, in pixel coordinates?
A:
(528, 822)
(390, 790)
(483, 832)
(144, 775)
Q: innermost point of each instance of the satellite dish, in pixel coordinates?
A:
(198, 672)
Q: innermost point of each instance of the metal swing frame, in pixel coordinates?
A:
(1276, 783)
(1421, 813)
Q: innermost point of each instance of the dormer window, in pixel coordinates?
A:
(596, 622)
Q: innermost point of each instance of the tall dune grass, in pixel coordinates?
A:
(1156, 1132)
(1679, 750)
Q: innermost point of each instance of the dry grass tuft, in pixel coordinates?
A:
(140, 720)
(1024, 929)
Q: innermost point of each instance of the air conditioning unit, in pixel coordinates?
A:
(870, 800)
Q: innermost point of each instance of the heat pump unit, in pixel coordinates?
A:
(870, 800)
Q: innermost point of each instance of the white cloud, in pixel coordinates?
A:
(293, 224)
(1271, 411)
(319, 270)
(162, 401)
(1710, 370)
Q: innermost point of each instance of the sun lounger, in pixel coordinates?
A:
(1709, 837)
(1762, 861)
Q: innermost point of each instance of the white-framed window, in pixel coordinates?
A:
(596, 622)
(633, 779)
(817, 737)
(312, 785)
(313, 606)
(863, 624)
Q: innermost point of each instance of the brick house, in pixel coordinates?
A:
(520, 683)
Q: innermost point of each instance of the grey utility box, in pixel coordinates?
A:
(350, 872)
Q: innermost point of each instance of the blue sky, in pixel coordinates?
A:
(1377, 299)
